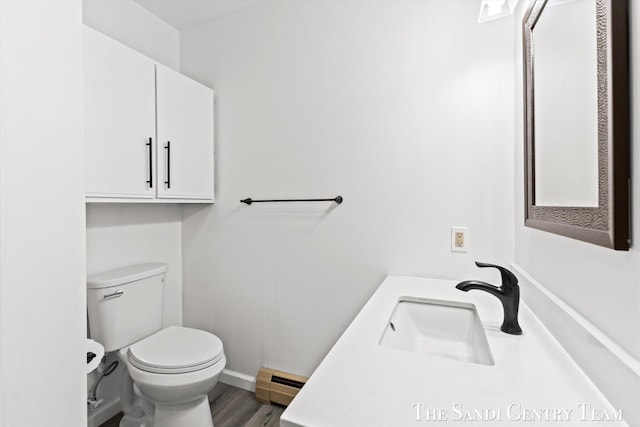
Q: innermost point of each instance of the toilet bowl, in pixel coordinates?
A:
(169, 371)
(173, 370)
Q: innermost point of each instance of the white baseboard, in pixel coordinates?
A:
(238, 379)
(614, 371)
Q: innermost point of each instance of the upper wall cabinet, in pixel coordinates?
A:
(148, 129)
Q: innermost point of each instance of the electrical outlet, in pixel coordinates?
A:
(459, 239)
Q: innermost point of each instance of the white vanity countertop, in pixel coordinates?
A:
(361, 383)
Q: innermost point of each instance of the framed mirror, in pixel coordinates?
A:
(576, 81)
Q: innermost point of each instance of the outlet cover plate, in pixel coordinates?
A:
(459, 239)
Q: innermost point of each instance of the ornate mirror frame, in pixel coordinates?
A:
(608, 224)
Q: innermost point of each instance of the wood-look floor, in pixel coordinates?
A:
(233, 407)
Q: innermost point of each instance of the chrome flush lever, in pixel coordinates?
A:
(115, 294)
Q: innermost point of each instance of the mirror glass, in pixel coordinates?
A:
(577, 126)
(566, 104)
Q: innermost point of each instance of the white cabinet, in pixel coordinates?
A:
(185, 132)
(148, 129)
(119, 87)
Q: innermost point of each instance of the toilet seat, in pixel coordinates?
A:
(176, 350)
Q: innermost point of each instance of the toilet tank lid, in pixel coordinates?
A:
(124, 275)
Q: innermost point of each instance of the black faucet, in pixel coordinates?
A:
(508, 293)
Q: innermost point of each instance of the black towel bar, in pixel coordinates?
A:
(248, 201)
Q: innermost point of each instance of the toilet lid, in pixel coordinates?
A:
(176, 350)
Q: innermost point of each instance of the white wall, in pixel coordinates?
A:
(601, 284)
(133, 25)
(402, 107)
(42, 224)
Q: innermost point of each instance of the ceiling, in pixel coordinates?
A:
(183, 14)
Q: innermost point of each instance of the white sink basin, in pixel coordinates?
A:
(438, 328)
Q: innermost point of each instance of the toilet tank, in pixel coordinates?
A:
(125, 305)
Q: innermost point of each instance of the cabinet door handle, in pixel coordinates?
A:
(150, 180)
(168, 148)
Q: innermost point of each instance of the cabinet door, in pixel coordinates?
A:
(119, 119)
(185, 136)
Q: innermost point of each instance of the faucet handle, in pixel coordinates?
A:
(509, 279)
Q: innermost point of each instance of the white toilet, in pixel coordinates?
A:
(168, 371)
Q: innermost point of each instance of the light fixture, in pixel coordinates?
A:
(494, 9)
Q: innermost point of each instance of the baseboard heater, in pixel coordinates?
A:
(277, 387)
